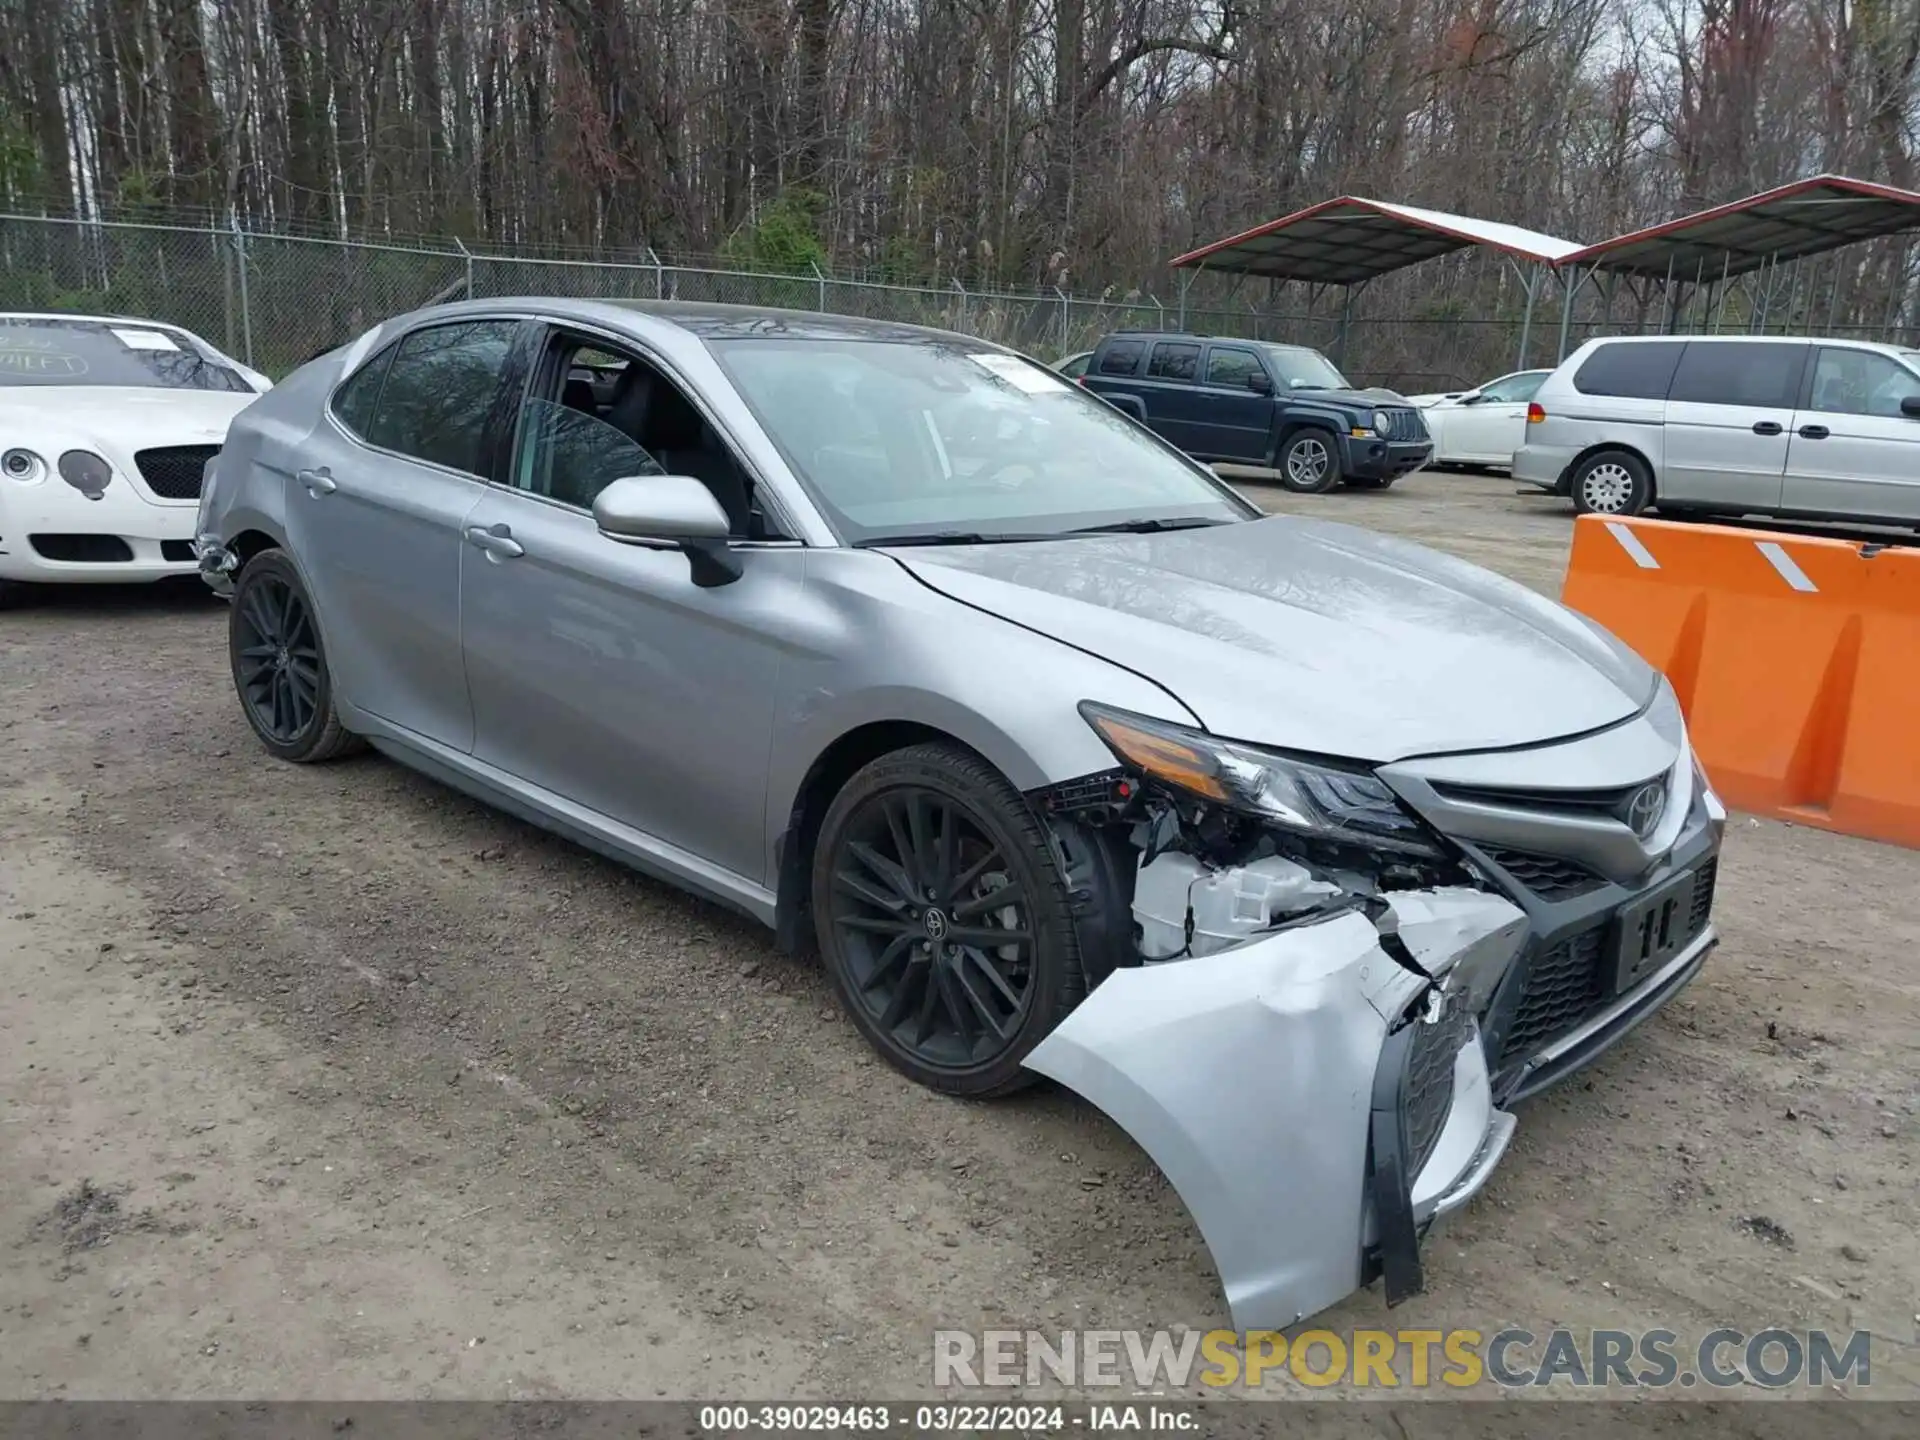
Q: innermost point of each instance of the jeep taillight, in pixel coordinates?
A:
(1534, 413)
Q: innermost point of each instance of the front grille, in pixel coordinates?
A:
(1429, 1089)
(82, 549)
(1400, 424)
(1563, 986)
(173, 472)
(1703, 883)
(1547, 876)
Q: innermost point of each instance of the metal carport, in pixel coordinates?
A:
(1710, 248)
(1350, 240)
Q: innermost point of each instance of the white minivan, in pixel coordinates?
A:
(1729, 425)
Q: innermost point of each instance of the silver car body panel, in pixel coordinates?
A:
(591, 687)
(1247, 1077)
(1402, 651)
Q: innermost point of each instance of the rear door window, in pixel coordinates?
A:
(1762, 376)
(356, 402)
(440, 390)
(1173, 361)
(1122, 357)
(1634, 369)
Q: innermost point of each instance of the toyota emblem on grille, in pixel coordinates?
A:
(1644, 810)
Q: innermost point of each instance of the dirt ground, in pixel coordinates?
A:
(327, 1082)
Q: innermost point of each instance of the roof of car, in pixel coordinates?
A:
(1846, 341)
(715, 321)
(92, 319)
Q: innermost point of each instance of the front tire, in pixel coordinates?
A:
(279, 665)
(1613, 482)
(1308, 462)
(943, 919)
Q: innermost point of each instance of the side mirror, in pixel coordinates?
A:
(1910, 405)
(1260, 383)
(670, 512)
(1472, 397)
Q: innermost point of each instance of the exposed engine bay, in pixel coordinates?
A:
(1288, 1024)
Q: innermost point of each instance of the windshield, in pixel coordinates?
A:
(57, 351)
(902, 438)
(1304, 369)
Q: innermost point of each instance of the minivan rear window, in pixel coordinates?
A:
(1738, 372)
(1635, 369)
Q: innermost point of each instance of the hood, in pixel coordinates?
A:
(1378, 395)
(1309, 635)
(121, 417)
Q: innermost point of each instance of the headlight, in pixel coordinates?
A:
(22, 465)
(1318, 798)
(86, 472)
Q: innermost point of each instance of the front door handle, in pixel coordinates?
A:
(1766, 427)
(1814, 432)
(496, 540)
(318, 482)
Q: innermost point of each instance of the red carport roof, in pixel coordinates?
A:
(1808, 217)
(1350, 239)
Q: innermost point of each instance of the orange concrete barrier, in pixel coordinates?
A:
(1796, 659)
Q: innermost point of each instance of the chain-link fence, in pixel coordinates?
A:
(276, 300)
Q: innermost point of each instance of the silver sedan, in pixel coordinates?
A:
(1300, 851)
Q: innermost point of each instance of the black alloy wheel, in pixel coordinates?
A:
(277, 662)
(279, 665)
(943, 921)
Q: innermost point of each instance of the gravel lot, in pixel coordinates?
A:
(327, 1082)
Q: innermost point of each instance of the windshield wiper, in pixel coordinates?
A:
(947, 537)
(1149, 527)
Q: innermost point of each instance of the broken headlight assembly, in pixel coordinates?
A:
(1315, 798)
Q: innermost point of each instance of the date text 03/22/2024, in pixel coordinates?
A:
(967, 1419)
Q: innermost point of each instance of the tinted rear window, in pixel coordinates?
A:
(1174, 361)
(94, 352)
(1641, 370)
(1122, 357)
(1737, 373)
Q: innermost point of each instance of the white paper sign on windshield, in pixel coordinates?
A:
(144, 340)
(1020, 374)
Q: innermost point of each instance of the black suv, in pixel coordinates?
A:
(1251, 403)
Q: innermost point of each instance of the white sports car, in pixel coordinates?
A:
(105, 426)
(1483, 426)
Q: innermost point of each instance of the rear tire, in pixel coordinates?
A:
(925, 858)
(280, 666)
(1308, 462)
(1613, 482)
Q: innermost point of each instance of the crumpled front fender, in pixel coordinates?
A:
(1248, 1077)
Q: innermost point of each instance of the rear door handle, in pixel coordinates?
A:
(1766, 427)
(1814, 432)
(496, 540)
(318, 482)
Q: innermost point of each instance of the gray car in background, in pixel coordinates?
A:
(1730, 425)
(1302, 852)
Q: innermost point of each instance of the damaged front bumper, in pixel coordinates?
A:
(217, 564)
(1317, 1096)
